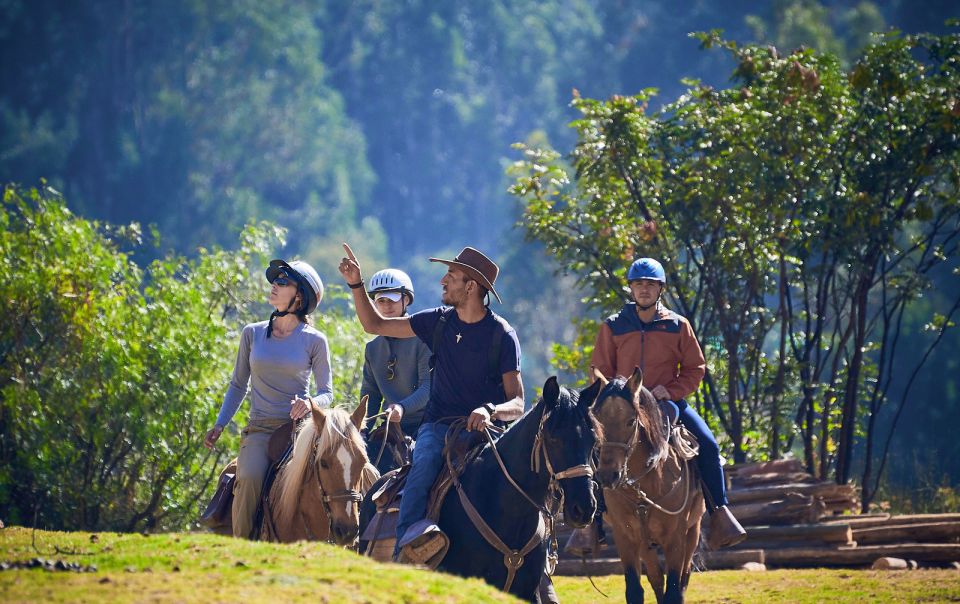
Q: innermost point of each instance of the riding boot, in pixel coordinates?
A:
(725, 530)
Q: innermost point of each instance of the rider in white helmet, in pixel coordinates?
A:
(396, 371)
(275, 361)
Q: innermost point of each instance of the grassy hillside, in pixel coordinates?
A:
(207, 568)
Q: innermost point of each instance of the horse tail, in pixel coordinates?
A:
(294, 472)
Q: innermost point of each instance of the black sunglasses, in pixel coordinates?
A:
(284, 280)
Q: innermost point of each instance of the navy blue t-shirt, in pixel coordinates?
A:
(461, 379)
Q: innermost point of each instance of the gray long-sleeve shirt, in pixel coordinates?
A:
(277, 370)
(410, 386)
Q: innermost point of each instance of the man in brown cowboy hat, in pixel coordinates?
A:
(476, 365)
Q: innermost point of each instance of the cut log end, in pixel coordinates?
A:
(888, 563)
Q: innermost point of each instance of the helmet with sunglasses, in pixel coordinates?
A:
(390, 280)
(308, 281)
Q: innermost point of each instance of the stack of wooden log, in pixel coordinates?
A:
(781, 492)
(793, 520)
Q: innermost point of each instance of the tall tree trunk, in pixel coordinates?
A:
(780, 379)
(851, 393)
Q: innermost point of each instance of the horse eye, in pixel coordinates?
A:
(324, 464)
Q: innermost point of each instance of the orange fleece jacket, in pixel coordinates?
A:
(666, 350)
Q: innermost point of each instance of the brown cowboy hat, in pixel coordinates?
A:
(480, 268)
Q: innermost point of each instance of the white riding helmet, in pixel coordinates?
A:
(311, 286)
(391, 280)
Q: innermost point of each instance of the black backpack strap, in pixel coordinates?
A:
(438, 336)
(493, 358)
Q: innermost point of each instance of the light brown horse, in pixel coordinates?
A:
(317, 492)
(652, 492)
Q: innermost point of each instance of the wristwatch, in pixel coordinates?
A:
(491, 409)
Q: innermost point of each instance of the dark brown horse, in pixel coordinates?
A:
(652, 492)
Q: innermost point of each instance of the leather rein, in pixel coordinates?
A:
(513, 558)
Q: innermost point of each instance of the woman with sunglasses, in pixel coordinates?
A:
(396, 371)
(275, 360)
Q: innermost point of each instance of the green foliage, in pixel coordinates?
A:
(929, 492)
(111, 374)
(798, 213)
(193, 116)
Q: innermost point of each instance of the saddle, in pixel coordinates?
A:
(219, 512)
(681, 440)
(423, 543)
(280, 441)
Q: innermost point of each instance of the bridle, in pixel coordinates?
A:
(627, 447)
(546, 519)
(632, 483)
(325, 499)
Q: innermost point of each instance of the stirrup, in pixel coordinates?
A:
(425, 544)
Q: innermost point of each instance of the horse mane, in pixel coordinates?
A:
(648, 414)
(565, 408)
(572, 406)
(309, 446)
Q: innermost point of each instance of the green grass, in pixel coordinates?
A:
(194, 567)
(187, 567)
(808, 586)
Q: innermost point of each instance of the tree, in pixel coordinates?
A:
(190, 115)
(798, 212)
(110, 374)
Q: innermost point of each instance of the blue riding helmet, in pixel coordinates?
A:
(646, 268)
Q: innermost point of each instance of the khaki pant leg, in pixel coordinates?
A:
(252, 466)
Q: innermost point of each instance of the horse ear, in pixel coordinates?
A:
(359, 415)
(318, 416)
(589, 396)
(551, 392)
(599, 376)
(635, 383)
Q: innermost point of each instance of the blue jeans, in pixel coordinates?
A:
(708, 460)
(427, 461)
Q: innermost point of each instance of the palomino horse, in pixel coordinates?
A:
(317, 492)
(652, 493)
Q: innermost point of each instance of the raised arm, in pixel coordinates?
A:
(371, 320)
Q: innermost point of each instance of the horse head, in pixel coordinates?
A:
(330, 445)
(388, 448)
(568, 436)
(631, 421)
